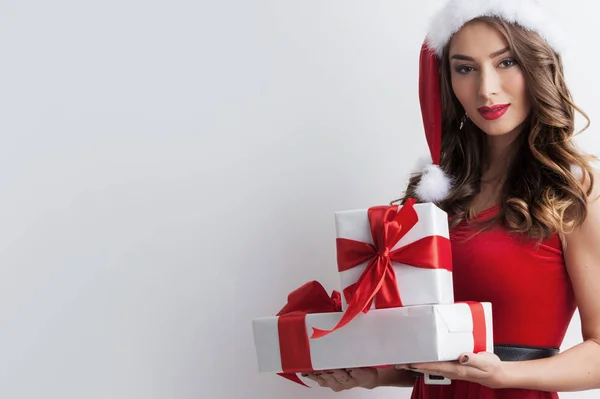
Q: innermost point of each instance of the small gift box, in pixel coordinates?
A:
(392, 256)
(287, 343)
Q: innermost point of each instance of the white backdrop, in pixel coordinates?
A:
(169, 171)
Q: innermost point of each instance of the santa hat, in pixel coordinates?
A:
(435, 185)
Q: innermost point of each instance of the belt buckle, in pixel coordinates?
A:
(436, 380)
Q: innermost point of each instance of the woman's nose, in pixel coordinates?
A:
(489, 83)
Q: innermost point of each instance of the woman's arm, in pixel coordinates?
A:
(577, 368)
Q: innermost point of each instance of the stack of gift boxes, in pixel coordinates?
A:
(396, 304)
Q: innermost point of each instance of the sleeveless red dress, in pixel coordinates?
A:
(529, 289)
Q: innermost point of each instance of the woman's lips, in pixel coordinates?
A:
(493, 112)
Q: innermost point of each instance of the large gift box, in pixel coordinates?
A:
(394, 256)
(288, 343)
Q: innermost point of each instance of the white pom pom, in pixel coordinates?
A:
(422, 162)
(434, 185)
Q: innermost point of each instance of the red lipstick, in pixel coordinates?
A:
(493, 112)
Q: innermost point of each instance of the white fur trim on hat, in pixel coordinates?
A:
(526, 13)
(434, 185)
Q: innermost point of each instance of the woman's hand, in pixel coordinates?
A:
(483, 368)
(341, 380)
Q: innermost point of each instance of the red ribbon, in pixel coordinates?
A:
(479, 326)
(294, 347)
(378, 281)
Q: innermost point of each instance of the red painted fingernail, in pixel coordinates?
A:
(465, 359)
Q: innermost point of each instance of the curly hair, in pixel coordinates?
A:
(549, 179)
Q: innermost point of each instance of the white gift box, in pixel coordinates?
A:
(417, 286)
(382, 337)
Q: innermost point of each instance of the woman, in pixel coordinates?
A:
(525, 222)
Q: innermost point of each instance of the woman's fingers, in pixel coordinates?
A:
(341, 379)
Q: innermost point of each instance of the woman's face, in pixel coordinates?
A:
(487, 81)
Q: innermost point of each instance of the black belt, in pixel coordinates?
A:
(513, 353)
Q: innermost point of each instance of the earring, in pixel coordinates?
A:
(463, 120)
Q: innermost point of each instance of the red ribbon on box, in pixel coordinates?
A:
(479, 326)
(378, 281)
(294, 347)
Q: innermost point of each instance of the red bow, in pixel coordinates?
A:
(378, 281)
(293, 340)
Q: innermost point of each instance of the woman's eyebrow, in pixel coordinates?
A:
(467, 58)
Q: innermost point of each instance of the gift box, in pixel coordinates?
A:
(286, 343)
(394, 256)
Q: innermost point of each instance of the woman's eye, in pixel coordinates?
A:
(508, 63)
(464, 69)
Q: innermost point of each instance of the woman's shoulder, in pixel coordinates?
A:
(591, 181)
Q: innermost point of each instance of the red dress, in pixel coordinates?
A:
(530, 291)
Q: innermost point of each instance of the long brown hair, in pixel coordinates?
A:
(542, 194)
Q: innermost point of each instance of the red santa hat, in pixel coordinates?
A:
(435, 185)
